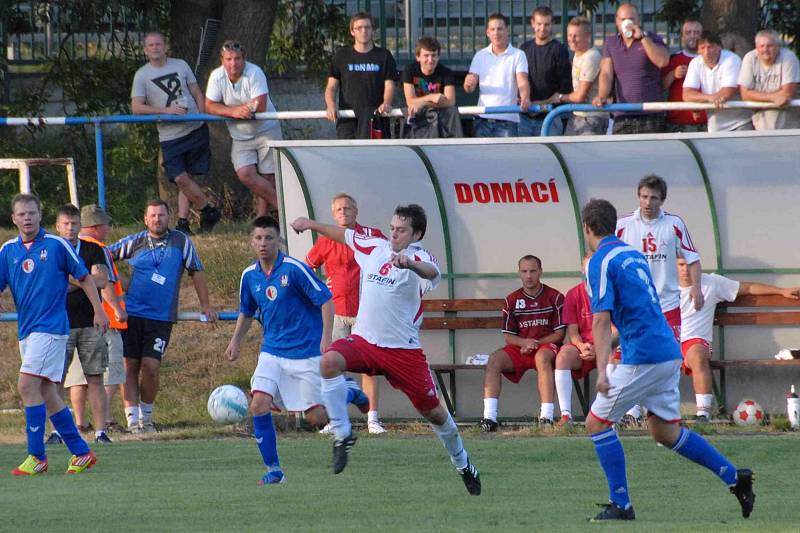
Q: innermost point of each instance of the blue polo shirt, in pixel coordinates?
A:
(38, 276)
(287, 302)
(156, 269)
(619, 281)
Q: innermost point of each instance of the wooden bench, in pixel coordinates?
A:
(751, 311)
(451, 318)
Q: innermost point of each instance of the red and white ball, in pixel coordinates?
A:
(748, 413)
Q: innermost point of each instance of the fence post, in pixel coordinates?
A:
(98, 153)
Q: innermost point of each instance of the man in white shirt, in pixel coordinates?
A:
(697, 326)
(712, 77)
(395, 274)
(238, 89)
(771, 73)
(501, 72)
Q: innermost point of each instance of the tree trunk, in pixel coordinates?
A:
(250, 22)
(735, 22)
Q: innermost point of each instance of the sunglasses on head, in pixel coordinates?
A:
(233, 45)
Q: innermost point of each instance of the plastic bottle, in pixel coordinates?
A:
(793, 408)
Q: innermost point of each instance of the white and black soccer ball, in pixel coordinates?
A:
(227, 404)
(748, 413)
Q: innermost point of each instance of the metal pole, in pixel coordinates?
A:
(98, 154)
(24, 178)
(72, 183)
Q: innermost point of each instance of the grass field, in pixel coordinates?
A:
(402, 482)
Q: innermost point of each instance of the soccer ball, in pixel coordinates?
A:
(748, 413)
(227, 404)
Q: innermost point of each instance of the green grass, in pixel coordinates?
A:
(398, 483)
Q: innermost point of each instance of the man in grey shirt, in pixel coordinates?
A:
(167, 86)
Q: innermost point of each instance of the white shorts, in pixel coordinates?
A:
(256, 151)
(114, 374)
(652, 386)
(43, 355)
(294, 384)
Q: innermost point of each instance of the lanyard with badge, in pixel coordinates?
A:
(161, 247)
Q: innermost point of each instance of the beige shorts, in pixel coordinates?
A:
(256, 151)
(114, 374)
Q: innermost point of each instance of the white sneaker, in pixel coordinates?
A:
(375, 428)
(327, 430)
(149, 427)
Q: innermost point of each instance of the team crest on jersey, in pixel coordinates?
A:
(272, 293)
(43, 256)
(520, 304)
(28, 265)
(284, 281)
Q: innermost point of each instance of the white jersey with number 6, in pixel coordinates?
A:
(661, 241)
(390, 307)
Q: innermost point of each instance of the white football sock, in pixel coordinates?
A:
(635, 411)
(564, 390)
(546, 410)
(132, 416)
(704, 403)
(146, 412)
(372, 416)
(334, 394)
(451, 439)
(490, 408)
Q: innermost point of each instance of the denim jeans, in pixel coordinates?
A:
(494, 128)
(532, 127)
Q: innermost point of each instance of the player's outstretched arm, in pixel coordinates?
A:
(100, 319)
(762, 289)
(334, 233)
(242, 326)
(601, 331)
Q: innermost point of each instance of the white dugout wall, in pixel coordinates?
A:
(490, 201)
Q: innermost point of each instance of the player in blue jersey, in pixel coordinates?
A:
(157, 257)
(622, 292)
(294, 308)
(37, 267)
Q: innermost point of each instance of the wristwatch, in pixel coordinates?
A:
(645, 34)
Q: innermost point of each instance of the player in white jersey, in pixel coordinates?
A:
(395, 274)
(697, 326)
(661, 237)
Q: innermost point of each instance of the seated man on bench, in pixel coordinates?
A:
(697, 326)
(533, 330)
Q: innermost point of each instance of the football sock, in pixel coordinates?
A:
(266, 440)
(612, 459)
(65, 425)
(697, 449)
(564, 390)
(451, 439)
(35, 418)
(146, 412)
(334, 394)
(372, 416)
(704, 403)
(635, 411)
(132, 415)
(546, 411)
(490, 408)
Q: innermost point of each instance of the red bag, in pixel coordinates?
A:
(375, 133)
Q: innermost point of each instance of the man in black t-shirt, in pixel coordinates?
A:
(91, 344)
(364, 76)
(430, 91)
(549, 72)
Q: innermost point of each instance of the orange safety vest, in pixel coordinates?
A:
(112, 320)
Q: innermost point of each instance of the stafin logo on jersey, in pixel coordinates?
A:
(43, 256)
(28, 265)
(284, 281)
(271, 293)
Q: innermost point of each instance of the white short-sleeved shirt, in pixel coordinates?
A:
(390, 308)
(711, 80)
(661, 241)
(757, 76)
(497, 76)
(162, 87)
(252, 84)
(700, 324)
(586, 67)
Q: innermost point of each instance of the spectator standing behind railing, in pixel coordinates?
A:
(585, 70)
(430, 92)
(167, 86)
(238, 89)
(548, 72)
(673, 76)
(631, 64)
(771, 73)
(364, 76)
(712, 77)
(500, 72)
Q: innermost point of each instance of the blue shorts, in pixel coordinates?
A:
(189, 154)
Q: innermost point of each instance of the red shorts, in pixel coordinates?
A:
(685, 349)
(523, 362)
(406, 369)
(586, 366)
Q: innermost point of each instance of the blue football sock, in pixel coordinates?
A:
(266, 440)
(35, 417)
(612, 459)
(697, 449)
(65, 426)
